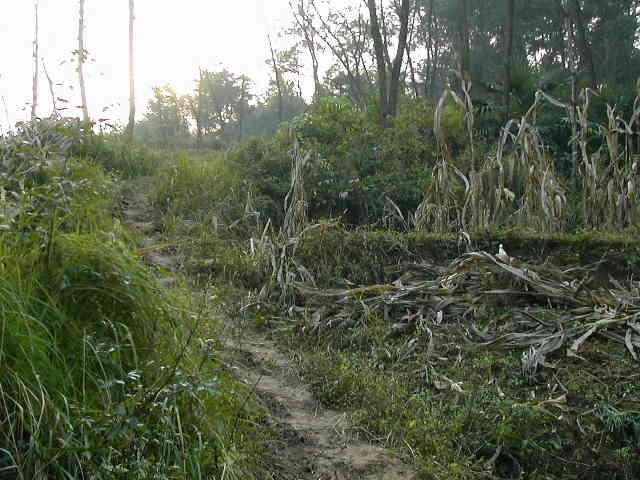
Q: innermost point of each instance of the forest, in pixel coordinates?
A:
(413, 255)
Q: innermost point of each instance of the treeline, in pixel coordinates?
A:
(384, 57)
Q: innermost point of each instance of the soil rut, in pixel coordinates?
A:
(314, 443)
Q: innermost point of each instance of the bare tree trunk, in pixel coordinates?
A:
(81, 60)
(132, 84)
(394, 87)
(430, 64)
(301, 16)
(198, 113)
(385, 36)
(583, 44)
(572, 63)
(36, 64)
(414, 82)
(276, 71)
(508, 59)
(241, 111)
(51, 90)
(389, 92)
(464, 48)
(378, 45)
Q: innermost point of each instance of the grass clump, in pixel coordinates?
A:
(211, 214)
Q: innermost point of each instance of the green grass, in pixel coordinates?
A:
(105, 374)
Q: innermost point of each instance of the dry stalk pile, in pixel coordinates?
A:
(547, 307)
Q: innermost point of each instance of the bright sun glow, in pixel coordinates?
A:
(173, 39)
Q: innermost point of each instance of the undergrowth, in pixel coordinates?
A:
(463, 413)
(105, 373)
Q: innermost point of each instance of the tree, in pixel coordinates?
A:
(346, 34)
(304, 27)
(388, 91)
(166, 118)
(220, 102)
(464, 47)
(132, 84)
(36, 64)
(82, 56)
(243, 104)
(278, 78)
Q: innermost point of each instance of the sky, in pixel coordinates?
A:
(173, 39)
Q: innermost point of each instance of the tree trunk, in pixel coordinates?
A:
(304, 24)
(508, 65)
(55, 111)
(378, 45)
(389, 92)
(81, 60)
(132, 84)
(36, 64)
(464, 47)
(414, 82)
(586, 54)
(394, 88)
(198, 113)
(276, 71)
(243, 96)
(430, 63)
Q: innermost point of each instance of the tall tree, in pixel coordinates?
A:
(586, 54)
(464, 38)
(304, 26)
(348, 39)
(82, 56)
(36, 63)
(278, 77)
(388, 90)
(242, 105)
(132, 84)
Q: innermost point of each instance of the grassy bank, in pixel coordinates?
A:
(106, 374)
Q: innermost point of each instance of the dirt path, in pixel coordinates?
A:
(314, 443)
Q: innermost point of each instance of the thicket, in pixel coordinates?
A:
(557, 168)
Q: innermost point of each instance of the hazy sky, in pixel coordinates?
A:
(173, 38)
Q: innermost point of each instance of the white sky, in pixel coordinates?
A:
(173, 38)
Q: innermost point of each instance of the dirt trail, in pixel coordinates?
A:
(314, 443)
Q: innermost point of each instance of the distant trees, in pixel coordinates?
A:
(506, 48)
(219, 101)
(220, 110)
(167, 118)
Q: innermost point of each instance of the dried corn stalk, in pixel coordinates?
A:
(549, 307)
(610, 175)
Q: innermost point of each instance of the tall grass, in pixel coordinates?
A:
(104, 373)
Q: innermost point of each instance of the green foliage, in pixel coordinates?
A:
(105, 373)
(125, 159)
(205, 203)
(166, 120)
